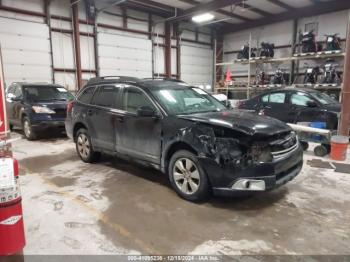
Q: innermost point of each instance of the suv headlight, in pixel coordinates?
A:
(42, 110)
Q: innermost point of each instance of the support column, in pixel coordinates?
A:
(219, 50)
(48, 22)
(77, 42)
(167, 50)
(345, 108)
(176, 34)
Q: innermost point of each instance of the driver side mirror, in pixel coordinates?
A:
(146, 111)
(311, 104)
(10, 97)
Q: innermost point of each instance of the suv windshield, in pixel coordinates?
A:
(46, 93)
(180, 101)
(323, 98)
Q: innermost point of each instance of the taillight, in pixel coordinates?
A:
(69, 107)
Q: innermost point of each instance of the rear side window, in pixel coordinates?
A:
(106, 96)
(86, 95)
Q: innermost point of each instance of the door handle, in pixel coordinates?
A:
(267, 107)
(89, 112)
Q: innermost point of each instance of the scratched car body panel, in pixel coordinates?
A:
(228, 151)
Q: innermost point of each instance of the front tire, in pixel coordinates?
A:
(84, 147)
(188, 178)
(28, 129)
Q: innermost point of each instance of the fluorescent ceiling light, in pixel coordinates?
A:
(203, 18)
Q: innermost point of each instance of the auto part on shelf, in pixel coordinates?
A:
(267, 50)
(244, 52)
(279, 77)
(330, 74)
(332, 42)
(311, 75)
(308, 42)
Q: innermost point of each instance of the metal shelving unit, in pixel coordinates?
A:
(249, 88)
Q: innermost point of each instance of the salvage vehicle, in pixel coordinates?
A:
(36, 107)
(294, 105)
(186, 133)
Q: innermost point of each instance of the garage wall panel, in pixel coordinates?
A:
(61, 8)
(68, 80)
(26, 51)
(121, 54)
(62, 47)
(30, 5)
(88, 52)
(196, 64)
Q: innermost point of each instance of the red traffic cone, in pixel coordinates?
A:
(228, 75)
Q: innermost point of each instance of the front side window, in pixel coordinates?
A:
(86, 95)
(46, 93)
(134, 98)
(324, 98)
(300, 99)
(186, 100)
(106, 96)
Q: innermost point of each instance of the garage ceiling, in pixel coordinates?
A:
(234, 15)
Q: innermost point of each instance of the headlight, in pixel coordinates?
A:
(42, 110)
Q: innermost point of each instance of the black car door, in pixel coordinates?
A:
(138, 136)
(305, 108)
(102, 116)
(275, 105)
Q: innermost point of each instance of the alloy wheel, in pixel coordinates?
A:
(186, 176)
(83, 145)
(27, 128)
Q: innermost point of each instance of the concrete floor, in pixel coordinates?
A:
(116, 207)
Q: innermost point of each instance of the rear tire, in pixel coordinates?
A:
(28, 129)
(188, 178)
(84, 147)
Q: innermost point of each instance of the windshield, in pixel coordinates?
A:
(46, 93)
(180, 101)
(324, 98)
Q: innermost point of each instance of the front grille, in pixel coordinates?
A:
(60, 113)
(283, 146)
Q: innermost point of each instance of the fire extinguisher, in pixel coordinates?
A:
(12, 237)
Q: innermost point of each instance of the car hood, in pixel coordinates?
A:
(52, 104)
(336, 107)
(241, 121)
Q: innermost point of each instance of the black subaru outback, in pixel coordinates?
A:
(186, 133)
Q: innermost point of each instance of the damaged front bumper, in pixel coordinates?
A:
(257, 177)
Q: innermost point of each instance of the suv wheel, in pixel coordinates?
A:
(28, 130)
(84, 148)
(187, 177)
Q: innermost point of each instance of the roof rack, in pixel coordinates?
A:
(121, 79)
(165, 79)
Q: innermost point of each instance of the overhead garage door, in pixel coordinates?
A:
(196, 64)
(124, 55)
(25, 49)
